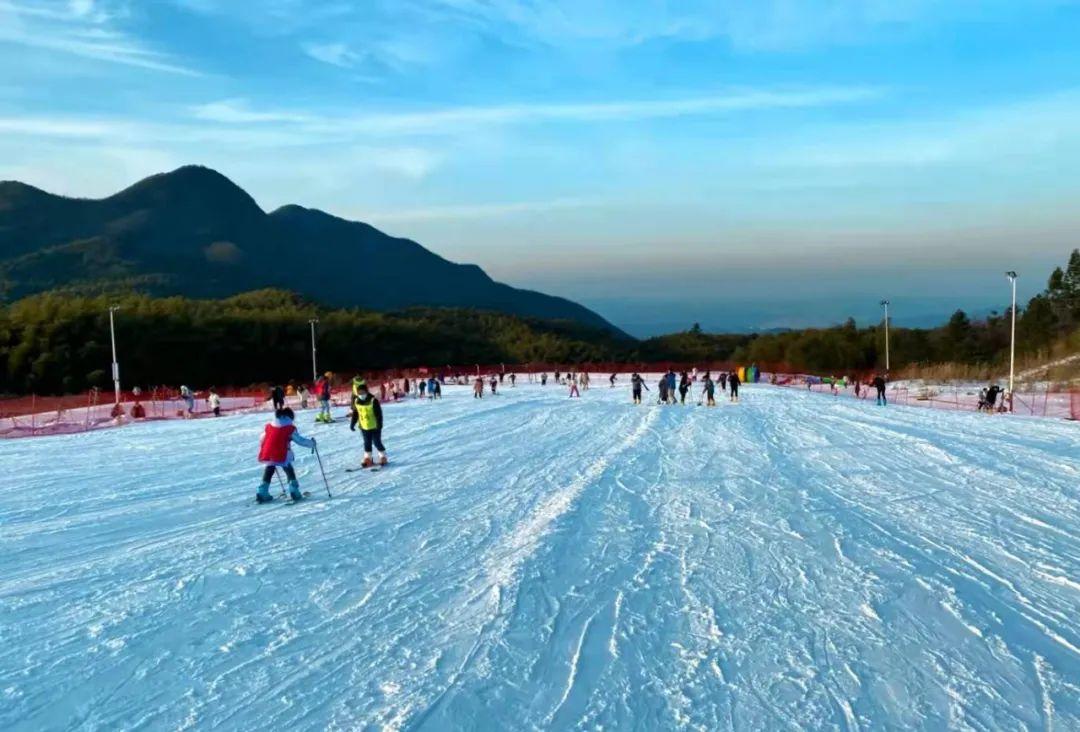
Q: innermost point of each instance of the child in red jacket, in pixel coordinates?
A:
(275, 452)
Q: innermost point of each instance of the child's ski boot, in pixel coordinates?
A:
(263, 494)
(294, 491)
(368, 462)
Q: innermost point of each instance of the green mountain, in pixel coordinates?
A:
(193, 232)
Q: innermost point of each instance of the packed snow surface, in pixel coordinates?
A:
(532, 562)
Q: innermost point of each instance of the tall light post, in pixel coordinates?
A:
(314, 369)
(115, 364)
(1012, 338)
(885, 304)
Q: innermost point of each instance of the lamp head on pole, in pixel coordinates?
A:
(884, 303)
(1011, 275)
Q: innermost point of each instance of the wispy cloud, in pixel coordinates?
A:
(454, 119)
(481, 210)
(81, 28)
(335, 54)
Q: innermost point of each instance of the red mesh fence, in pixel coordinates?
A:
(45, 415)
(1041, 400)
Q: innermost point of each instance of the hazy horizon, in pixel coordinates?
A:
(744, 167)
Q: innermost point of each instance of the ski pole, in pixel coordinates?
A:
(325, 481)
(280, 482)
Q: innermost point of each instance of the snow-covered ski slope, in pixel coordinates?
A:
(535, 562)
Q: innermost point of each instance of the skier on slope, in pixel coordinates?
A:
(274, 453)
(214, 402)
(879, 384)
(494, 385)
(710, 391)
(636, 385)
(478, 388)
(513, 380)
(662, 386)
(189, 399)
(277, 397)
(370, 417)
(431, 384)
(421, 387)
(991, 397)
(671, 385)
(574, 387)
(611, 380)
(723, 380)
(684, 386)
(733, 385)
(543, 379)
(322, 392)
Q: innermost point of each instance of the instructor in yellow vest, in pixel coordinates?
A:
(367, 412)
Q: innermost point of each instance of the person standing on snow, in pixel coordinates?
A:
(733, 385)
(494, 384)
(436, 389)
(322, 391)
(189, 399)
(991, 397)
(684, 386)
(214, 402)
(662, 386)
(277, 397)
(672, 385)
(369, 416)
(421, 387)
(513, 380)
(543, 379)
(636, 385)
(710, 391)
(478, 388)
(275, 452)
(574, 388)
(611, 380)
(723, 381)
(879, 384)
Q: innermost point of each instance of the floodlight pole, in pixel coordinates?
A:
(115, 364)
(314, 369)
(1012, 338)
(885, 304)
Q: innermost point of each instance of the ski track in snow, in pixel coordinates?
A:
(535, 562)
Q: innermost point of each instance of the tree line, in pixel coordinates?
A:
(58, 342)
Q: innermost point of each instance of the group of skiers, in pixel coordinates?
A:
(367, 415)
(672, 389)
(988, 399)
(281, 433)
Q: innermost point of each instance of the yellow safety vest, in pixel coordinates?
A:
(366, 413)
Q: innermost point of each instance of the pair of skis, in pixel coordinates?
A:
(370, 469)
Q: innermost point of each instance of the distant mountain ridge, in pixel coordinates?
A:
(194, 232)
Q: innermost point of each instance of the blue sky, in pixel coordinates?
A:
(746, 164)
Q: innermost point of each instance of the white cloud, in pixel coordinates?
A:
(481, 210)
(456, 119)
(81, 28)
(238, 111)
(999, 134)
(335, 54)
(409, 162)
